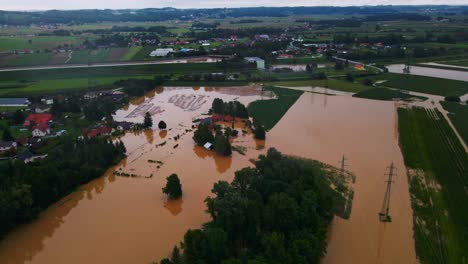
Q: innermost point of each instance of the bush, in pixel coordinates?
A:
(367, 82)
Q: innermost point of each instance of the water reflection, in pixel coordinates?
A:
(149, 135)
(162, 134)
(174, 206)
(222, 163)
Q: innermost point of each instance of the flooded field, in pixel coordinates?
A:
(431, 72)
(128, 218)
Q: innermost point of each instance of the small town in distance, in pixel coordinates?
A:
(230, 133)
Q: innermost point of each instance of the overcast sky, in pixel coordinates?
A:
(122, 4)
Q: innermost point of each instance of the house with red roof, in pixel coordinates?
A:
(35, 119)
(41, 130)
(100, 131)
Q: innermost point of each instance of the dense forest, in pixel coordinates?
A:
(278, 212)
(161, 14)
(27, 189)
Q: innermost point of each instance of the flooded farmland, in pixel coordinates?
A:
(128, 218)
(431, 72)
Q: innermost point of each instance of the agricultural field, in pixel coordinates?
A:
(385, 94)
(458, 114)
(436, 164)
(339, 85)
(423, 84)
(269, 112)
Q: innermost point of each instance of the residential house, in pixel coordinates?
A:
(42, 108)
(41, 130)
(100, 131)
(47, 100)
(124, 125)
(7, 145)
(34, 119)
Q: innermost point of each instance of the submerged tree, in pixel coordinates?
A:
(162, 125)
(203, 135)
(148, 121)
(173, 187)
(222, 145)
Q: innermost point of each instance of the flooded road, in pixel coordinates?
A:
(129, 220)
(431, 72)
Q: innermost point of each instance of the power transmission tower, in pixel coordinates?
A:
(342, 165)
(383, 215)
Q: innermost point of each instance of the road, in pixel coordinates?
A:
(113, 64)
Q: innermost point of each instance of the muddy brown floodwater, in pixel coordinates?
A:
(116, 219)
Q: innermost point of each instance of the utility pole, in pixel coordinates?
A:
(383, 215)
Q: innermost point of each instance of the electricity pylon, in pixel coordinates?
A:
(383, 215)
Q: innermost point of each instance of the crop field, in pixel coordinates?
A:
(437, 169)
(423, 84)
(269, 112)
(458, 114)
(386, 94)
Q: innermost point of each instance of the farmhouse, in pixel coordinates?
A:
(14, 102)
(260, 62)
(161, 52)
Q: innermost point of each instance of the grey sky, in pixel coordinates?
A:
(121, 4)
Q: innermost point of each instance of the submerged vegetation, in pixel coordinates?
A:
(437, 171)
(277, 212)
(387, 94)
(27, 189)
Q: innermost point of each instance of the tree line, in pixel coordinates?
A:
(277, 212)
(27, 189)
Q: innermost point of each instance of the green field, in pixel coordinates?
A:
(132, 51)
(423, 84)
(21, 83)
(37, 42)
(84, 56)
(437, 171)
(387, 95)
(334, 84)
(458, 114)
(269, 112)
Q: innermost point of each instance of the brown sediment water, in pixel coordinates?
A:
(128, 219)
(325, 128)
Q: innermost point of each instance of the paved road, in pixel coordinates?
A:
(112, 64)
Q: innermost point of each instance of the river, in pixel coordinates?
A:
(128, 220)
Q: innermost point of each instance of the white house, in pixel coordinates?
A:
(41, 130)
(161, 52)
